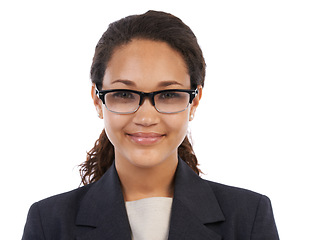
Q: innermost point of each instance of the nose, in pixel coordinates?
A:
(146, 115)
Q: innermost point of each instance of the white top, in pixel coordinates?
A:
(150, 218)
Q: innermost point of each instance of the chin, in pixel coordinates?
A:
(148, 158)
(144, 161)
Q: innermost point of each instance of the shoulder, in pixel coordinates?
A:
(233, 201)
(241, 203)
(71, 198)
(61, 204)
(230, 196)
(252, 210)
(223, 191)
(54, 213)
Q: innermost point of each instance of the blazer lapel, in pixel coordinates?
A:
(194, 205)
(102, 214)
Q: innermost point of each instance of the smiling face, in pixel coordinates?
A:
(146, 138)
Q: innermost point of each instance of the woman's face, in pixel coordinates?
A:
(146, 138)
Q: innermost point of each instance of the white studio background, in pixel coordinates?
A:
(251, 129)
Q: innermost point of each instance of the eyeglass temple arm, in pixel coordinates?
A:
(193, 95)
(96, 90)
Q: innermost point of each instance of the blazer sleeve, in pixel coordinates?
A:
(264, 227)
(33, 229)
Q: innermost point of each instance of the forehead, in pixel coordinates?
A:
(146, 63)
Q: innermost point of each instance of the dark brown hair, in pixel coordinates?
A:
(156, 26)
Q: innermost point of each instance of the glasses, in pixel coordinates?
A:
(124, 101)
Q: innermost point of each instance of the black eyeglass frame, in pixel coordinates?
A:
(151, 95)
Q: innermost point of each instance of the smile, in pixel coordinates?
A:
(145, 138)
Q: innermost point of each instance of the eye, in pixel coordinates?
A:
(169, 95)
(123, 95)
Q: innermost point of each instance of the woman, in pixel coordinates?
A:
(141, 178)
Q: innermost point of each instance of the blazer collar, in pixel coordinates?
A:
(103, 209)
(194, 204)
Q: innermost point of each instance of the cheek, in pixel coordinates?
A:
(114, 124)
(178, 124)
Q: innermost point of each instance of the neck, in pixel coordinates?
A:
(138, 182)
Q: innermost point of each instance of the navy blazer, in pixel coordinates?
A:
(201, 210)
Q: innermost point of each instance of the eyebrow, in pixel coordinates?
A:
(124, 81)
(168, 83)
(132, 83)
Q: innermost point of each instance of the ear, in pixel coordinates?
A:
(195, 102)
(97, 101)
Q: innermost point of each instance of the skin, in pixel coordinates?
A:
(146, 141)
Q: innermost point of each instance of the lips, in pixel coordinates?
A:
(145, 138)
